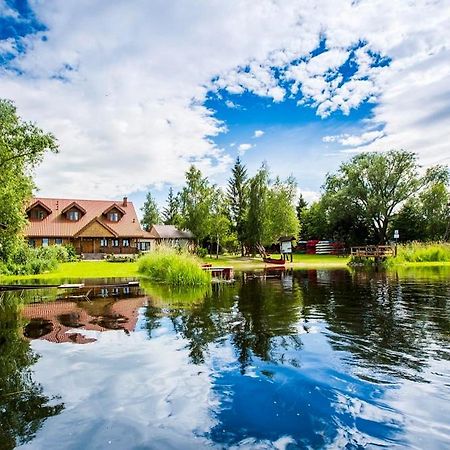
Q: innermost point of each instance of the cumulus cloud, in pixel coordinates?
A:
(124, 91)
(258, 133)
(242, 148)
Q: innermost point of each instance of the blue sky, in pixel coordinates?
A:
(135, 91)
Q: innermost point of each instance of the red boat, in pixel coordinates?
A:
(274, 261)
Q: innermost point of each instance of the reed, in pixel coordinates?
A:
(167, 265)
(424, 252)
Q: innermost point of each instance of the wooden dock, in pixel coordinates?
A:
(221, 273)
(373, 251)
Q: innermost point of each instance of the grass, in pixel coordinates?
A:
(299, 261)
(82, 269)
(166, 265)
(421, 252)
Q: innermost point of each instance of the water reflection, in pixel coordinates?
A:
(305, 359)
(24, 405)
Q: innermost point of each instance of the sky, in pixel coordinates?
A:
(136, 91)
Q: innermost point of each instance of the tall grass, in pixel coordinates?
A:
(169, 266)
(423, 252)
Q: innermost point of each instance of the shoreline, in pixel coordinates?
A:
(103, 269)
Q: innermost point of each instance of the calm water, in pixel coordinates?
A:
(305, 359)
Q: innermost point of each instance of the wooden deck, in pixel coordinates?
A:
(373, 251)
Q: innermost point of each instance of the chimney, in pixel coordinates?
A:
(125, 201)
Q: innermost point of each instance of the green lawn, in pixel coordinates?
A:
(300, 261)
(83, 269)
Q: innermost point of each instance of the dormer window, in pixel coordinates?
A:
(73, 212)
(73, 215)
(38, 211)
(114, 213)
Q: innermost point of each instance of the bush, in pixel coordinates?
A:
(121, 258)
(201, 252)
(33, 261)
(169, 266)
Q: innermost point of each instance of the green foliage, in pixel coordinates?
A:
(373, 185)
(281, 215)
(238, 198)
(201, 252)
(272, 213)
(33, 261)
(169, 266)
(196, 203)
(256, 220)
(121, 258)
(171, 213)
(150, 212)
(423, 252)
(22, 147)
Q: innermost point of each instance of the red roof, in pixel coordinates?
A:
(57, 225)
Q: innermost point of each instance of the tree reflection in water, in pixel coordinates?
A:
(23, 406)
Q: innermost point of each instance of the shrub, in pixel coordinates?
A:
(121, 258)
(201, 252)
(169, 266)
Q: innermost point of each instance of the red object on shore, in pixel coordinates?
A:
(274, 261)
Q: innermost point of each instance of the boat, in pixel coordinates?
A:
(274, 261)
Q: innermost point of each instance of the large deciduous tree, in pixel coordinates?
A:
(237, 196)
(150, 212)
(22, 147)
(375, 185)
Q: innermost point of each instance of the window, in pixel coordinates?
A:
(103, 242)
(40, 214)
(58, 241)
(32, 243)
(114, 216)
(114, 242)
(125, 242)
(44, 242)
(73, 215)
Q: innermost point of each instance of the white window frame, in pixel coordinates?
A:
(45, 242)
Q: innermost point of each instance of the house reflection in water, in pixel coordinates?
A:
(58, 321)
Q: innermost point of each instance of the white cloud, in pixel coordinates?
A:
(258, 133)
(242, 148)
(354, 140)
(124, 90)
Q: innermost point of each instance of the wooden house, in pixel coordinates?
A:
(93, 227)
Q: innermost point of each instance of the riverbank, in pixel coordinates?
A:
(104, 269)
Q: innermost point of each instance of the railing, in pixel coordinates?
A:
(373, 251)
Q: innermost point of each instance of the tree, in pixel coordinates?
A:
(221, 233)
(301, 206)
(196, 200)
(171, 214)
(281, 214)
(150, 212)
(22, 147)
(237, 196)
(257, 209)
(376, 185)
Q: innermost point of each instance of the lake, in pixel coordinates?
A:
(277, 360)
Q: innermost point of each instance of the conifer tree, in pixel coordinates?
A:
(237, 196)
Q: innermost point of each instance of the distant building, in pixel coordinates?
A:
(95, 227)
(172, 236)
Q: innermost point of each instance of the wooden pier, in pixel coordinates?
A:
(377, 252)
